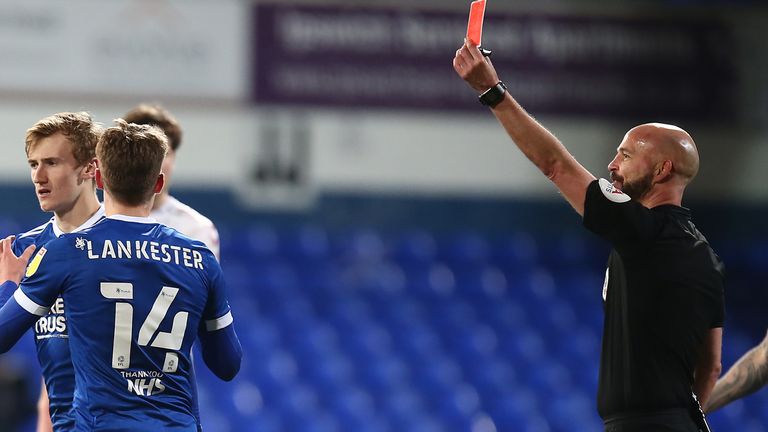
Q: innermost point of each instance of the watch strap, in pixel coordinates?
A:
(494, 95)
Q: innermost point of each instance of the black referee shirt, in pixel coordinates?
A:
(662, 294)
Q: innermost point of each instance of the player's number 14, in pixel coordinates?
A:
(148, 333)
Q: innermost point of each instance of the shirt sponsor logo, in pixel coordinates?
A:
(612, 193)
(33, 266)
(53, 325)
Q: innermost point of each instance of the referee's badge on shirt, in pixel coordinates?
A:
(612, 193)
(35, 263)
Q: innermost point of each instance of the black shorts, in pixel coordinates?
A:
(675, 420)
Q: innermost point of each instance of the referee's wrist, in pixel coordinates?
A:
(494, 95)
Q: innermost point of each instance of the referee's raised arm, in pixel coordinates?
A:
(537, 143)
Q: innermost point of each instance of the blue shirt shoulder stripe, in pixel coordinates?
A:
(35, 231)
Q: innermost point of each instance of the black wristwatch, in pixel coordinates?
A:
(494, 95)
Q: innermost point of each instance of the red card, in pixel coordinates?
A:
(475, 26)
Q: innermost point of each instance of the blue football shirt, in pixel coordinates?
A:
(51, 337)
(137, 294)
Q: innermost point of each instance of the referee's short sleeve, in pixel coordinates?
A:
(718, 319)
(613, 215)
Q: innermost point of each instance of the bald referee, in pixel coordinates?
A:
(663, 289)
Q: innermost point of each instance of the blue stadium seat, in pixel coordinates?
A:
(305, 244)
(494, 378)
(363, 244)
(513, 411)
(387, 374)
(518, 250)
(459, 406)
(402, 408)
(465, 250)
(573, 410)
(422, 423)
(415, 249)
(435, 281)
(259, 242)
(523, 346)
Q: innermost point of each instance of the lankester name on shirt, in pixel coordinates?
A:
(141, 249)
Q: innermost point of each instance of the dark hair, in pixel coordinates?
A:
(155, 115)
(130, 157)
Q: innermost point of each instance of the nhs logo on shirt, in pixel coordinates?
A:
(53, 325)
(144, 383)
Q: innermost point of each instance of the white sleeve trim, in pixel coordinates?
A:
(29, 305)
(219, 323)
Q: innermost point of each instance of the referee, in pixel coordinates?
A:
(663, 289)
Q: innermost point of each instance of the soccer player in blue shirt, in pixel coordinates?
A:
(138, 295)
(60, 150)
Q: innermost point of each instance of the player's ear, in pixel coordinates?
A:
(89, 172)
(159, 183)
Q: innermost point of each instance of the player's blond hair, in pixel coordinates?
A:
(130, 157)
(78, 127)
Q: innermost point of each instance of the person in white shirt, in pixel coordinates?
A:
(167, 209)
